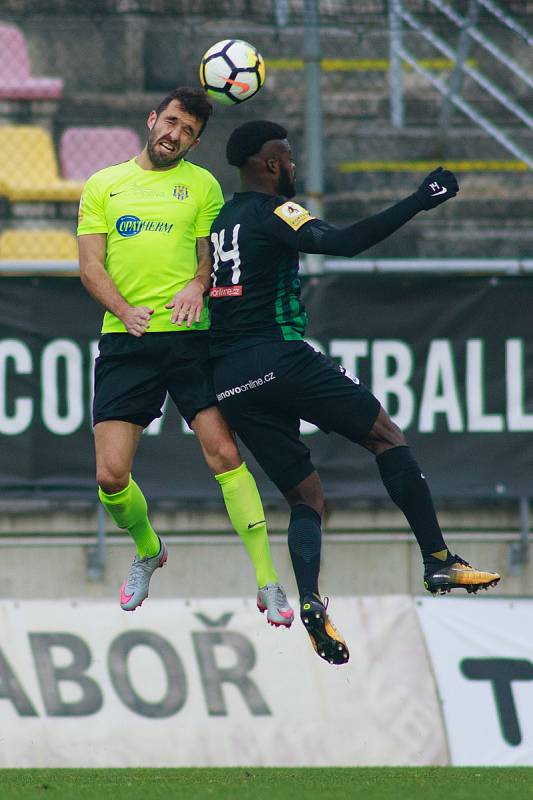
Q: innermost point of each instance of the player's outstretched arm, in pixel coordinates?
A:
(320, 237)
(188, 303)
(92, 248)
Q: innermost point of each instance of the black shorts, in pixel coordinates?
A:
(264, 391)
(133, 375)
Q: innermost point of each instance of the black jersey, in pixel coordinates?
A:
(255, 296)
(255, 242)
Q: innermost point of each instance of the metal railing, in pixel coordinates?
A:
(451, 91)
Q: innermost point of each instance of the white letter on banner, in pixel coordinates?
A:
(307, 428)
(154, 428)
(440, 394)
(478, 421)
(93, 355)
(395, 382)
(517, 420)
(349, 351)
(20, 419)
(52, 353)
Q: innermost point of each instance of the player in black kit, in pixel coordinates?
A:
(267, 377)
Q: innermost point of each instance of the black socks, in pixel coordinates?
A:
(305, 538)
(408, 488)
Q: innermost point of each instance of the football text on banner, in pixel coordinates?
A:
(450, 358)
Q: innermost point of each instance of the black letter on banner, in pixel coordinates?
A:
(12, 690)
(501, 672)
(176, 693)
(50, 676)
(214, 676)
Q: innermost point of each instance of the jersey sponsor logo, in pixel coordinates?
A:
(253, 383)
(180, 192)
(293, 214)
(130, 225)
(226, 291)
(112, 194)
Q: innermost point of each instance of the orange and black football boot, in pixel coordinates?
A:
(456, 573)
(325, 639)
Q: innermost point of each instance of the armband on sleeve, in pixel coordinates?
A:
(293, 214)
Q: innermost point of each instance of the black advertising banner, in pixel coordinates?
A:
(450, 358)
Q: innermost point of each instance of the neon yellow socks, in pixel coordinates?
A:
(128, 509)
(247, 516)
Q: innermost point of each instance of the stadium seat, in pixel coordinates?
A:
(40, 244)
(28, 167)
(85, 150)
(16, 79)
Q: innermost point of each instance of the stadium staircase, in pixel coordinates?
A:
(151, 53)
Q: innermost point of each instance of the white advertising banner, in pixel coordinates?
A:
(208, 683)
(482, 655)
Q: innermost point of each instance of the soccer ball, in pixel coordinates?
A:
(232, 71)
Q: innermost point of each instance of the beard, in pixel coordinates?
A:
(159, 159)
(286, 185)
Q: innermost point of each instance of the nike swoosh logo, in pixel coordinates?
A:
(253, 524)
(112, 194)
(245, 87)
(124, 598)
(442, 191)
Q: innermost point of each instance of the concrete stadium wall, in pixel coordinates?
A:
(365, 552)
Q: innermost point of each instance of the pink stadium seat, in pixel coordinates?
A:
(16, 79)
(86, 150)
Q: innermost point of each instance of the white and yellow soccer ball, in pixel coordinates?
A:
(232, 71)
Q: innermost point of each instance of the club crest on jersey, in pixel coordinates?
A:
(181, 192)
(293, 214)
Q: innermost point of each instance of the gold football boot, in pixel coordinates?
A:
(456, 573)
(325, 639)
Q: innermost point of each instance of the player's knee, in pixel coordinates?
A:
(393, 435)
(309, 493)
(222, 454)
(384, 435)
(111, 481)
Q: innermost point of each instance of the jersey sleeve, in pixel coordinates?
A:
(310, 235)
(91, 214)
(286, 222)
(211, 205)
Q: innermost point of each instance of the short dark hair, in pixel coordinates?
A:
(249, 138)
(193, 101)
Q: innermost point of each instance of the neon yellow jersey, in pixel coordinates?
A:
(152, 219)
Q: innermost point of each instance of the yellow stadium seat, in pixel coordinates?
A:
(38, 245)
(28, 167)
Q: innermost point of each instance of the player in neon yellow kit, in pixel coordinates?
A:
(144, 254)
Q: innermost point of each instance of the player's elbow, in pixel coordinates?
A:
(341, 243)
(346, 250)
(84, 274)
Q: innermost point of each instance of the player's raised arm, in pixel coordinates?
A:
(317, 236)
(263, 155)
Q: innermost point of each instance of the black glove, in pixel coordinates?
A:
(437, 187)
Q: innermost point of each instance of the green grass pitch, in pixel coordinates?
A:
(368, 783)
